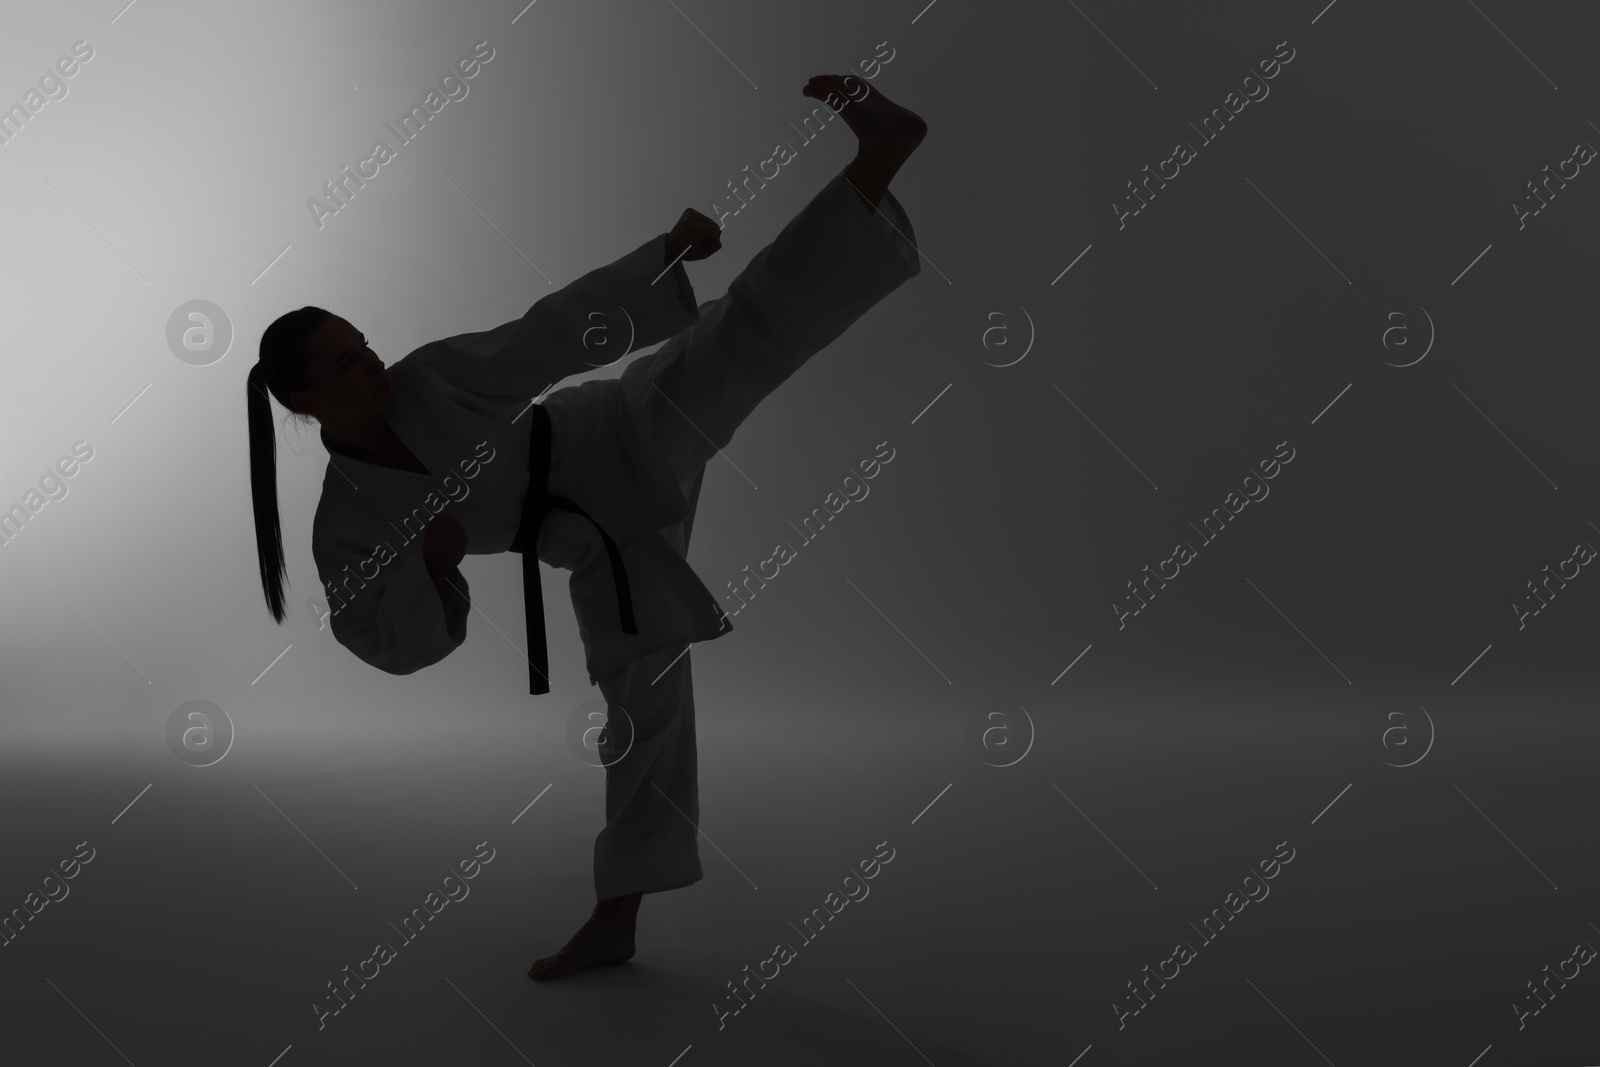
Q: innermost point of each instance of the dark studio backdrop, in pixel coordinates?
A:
(1214, 657)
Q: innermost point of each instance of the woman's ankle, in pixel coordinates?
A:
(866, 177)
(616, 907)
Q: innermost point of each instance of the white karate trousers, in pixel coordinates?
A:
(832, 262)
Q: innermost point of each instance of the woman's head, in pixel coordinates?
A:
(283, 370)
(319, 367)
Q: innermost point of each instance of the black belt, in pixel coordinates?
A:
(539, 503)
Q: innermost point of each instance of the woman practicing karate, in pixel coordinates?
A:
(601, 479)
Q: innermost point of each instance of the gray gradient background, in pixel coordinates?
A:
(1246, 706)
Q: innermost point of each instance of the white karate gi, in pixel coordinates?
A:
(629, 456)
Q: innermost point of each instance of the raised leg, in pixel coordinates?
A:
(886, 133)
(836, 259)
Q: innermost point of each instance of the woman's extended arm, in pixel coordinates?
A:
(628, 304)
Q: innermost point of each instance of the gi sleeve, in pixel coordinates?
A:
(397, 622)
(523, 357)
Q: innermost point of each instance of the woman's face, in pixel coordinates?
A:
(349, 383)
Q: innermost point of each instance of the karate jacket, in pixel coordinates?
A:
(455, 401)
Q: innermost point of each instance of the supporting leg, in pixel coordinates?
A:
(651, 838)
(650, 841)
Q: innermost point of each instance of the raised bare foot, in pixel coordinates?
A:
(882, 127)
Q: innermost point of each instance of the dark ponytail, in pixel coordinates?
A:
(281, 370)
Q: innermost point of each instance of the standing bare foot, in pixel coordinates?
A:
(886, 133)
(606, 938)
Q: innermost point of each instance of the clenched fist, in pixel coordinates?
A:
(695, 232)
